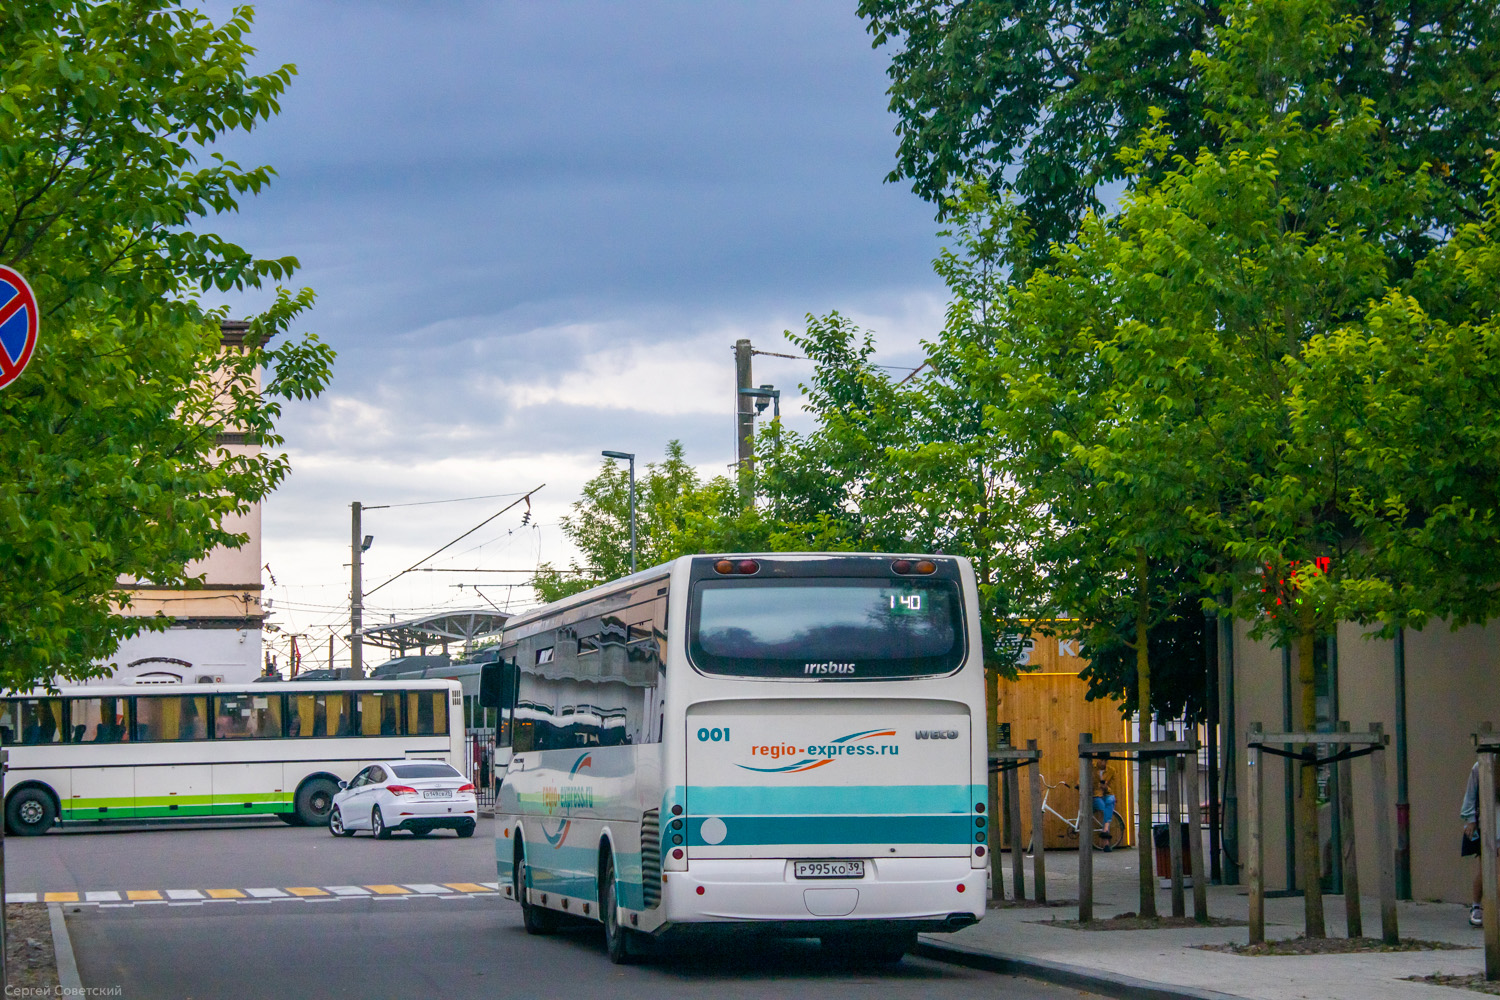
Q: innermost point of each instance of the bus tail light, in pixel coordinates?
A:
(730, 567)
(906, 567)
(400, 789)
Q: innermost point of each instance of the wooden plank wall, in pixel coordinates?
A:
(1048, 705)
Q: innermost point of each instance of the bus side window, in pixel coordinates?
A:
(379, 713)
(100, 720)
(426, 713)
(33, 720)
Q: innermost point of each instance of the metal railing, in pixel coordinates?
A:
(479, 756)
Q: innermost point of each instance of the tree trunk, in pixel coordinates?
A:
(1144, 843)
(1309, 857)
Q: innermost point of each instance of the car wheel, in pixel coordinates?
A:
(30, 812)
(377, 825)
(336, 824)
(315, 801)
(617, 939)
(466, 831)
(537, 919)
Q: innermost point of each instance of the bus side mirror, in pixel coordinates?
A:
(497, 681)
(490, 685)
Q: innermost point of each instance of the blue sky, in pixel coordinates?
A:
(535, 231)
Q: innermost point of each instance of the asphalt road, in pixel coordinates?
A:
(376, 947)
(83, 857)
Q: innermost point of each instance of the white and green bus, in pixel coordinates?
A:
(201, 750)
(788, 744)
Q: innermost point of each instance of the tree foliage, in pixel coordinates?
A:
(114, 440)
(1039, 99)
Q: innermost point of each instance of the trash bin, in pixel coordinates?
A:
(1161, 837)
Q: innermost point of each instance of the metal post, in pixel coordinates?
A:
(1174, 830)
(1195, 831)
(992, 742)
(1013, 824)
(1085, 825)
(1335, 821)
(356, 594)
(632, 513)
(1403, 803)
(1353, 918)
(1038, 842)
(1289, 770)
(4, 931)
(1228, 735)
(1210, 737)
(1380, 798)
(1255, 862)
(1487, 864)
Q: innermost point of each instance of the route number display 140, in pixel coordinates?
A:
(905, 602)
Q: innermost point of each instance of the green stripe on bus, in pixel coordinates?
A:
(747, 831)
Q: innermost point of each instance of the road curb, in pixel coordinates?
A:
(62, 950)
(1109, 984)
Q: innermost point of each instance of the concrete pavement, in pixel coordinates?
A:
(1166, 963)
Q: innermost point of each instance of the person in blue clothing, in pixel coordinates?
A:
(1469, 845)
(1104, 803)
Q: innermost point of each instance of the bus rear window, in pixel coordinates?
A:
(826, 629)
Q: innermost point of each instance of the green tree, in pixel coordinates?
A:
(1039, 99)
(677, 513)
(113, 438)
(1250, 330)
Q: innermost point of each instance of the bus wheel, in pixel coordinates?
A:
(315, 801)
(538, 920)
(617, 939)
(30, 812)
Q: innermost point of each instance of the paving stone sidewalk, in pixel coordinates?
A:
(1165, 963)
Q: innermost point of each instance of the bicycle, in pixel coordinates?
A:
(1106, 833)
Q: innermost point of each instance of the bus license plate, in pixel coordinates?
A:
(440, 793)
(828, 869)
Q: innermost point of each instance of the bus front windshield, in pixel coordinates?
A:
(826, 629)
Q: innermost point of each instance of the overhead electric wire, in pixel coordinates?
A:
(466, 534)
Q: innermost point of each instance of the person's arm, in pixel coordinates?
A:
(1469, 811)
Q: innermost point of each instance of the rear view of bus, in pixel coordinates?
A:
(799, 751)
(832, 766)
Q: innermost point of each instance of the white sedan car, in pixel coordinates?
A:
(416, 795)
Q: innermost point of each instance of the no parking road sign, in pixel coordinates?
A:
(18, 325)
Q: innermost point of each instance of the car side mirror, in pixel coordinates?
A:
(343, 784)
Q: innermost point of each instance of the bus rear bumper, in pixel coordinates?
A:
(914, 894)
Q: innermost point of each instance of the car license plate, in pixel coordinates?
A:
(437, 793)
(828, 869)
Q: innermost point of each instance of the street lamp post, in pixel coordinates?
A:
(628, 457)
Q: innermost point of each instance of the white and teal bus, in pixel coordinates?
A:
(790, 744)
(170, 751)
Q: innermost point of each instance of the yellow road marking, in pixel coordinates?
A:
(142, 894)
(467, 887)
(225, 894)
(306, 891)
(59, 897)
(388, 890)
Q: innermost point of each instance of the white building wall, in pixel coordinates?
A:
(233, 655)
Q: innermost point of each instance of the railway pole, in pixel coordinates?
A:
(744, 418)
(356, 594)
